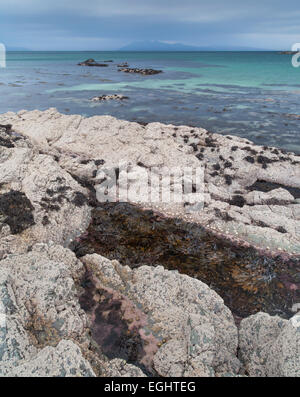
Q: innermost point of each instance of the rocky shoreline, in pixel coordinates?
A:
(68, 310)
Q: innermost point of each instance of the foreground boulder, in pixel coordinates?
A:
(192, 332)
(64, 360)
(43, 330)
(63, 317)
(270, 346)
(40, 309)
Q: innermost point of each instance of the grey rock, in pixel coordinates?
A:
(199, 330)
(39, 304)
(64, 360)
(270, 346)
(275, 196)
(40, 202)
(232, 165)
(120, 368)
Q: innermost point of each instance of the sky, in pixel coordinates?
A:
(111, 24)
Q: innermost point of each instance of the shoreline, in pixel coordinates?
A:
(249, 105)
(50, 163)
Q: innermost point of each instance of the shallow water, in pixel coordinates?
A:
(249, 94)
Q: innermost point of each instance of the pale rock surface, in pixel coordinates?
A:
(40, 202)
(64, 360)
(198, 333)
(43, 198)
(275, 196)
(43, 330)
(120, 368)
(270, 346)
(232, 165)
(39, 301)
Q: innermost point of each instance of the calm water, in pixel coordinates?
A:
(250, 94)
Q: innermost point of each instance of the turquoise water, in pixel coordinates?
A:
(251, 94)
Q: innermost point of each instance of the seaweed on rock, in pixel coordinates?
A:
(248, 280)
(16, 210)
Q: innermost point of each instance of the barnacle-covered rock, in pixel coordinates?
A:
(270, 346)
(194, 332)
(39, 201)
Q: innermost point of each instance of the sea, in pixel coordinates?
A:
(255, 95)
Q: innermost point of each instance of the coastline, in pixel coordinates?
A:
(51, 162)
(251, 95)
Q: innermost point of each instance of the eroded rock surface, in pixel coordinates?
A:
(270, 346)
(60, 316)
(39, 201)
(43, 330)
(250, 192)
(194, 331)
(64, 360)
(40, 308)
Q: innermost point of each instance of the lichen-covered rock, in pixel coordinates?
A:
(276, 196)
(270, 346)
(120, 368)
(195, 331)
(64, 360)
(43, 329)
(238, 173)
(159, 321)
(39, 303)
(39, 201)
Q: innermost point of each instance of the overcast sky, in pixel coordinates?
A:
(110, 24)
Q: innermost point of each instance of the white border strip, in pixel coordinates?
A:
(2, 56)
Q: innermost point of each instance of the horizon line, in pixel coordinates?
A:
(262, 50)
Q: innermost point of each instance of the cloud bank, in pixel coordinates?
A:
(102, 25)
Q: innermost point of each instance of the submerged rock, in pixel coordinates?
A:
(247, 280)
(92, 62)
(117, 97)
(145, 72)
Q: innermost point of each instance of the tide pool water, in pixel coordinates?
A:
(255, 95)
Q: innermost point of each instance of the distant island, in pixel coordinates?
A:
(153, 45)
